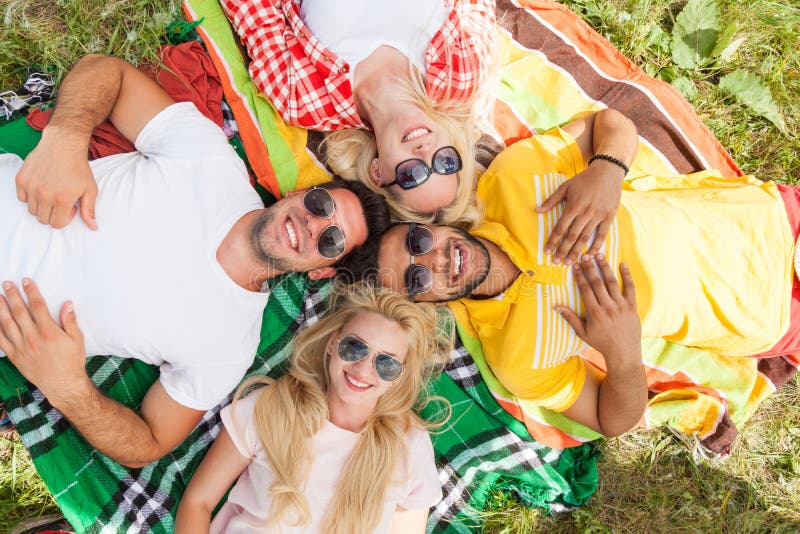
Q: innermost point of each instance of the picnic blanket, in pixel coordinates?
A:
(554, 67)
(480, 451)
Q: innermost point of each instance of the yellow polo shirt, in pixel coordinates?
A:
(711, 259)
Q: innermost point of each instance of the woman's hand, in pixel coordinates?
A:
(220, 467)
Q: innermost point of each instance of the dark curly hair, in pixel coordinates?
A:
(376, 213)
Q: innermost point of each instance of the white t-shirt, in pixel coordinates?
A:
(247, 507)
(147, 284)
(353, 29)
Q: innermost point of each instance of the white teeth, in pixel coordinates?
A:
(355, 382)
(458, 262)
(418, 132)
(292, 235)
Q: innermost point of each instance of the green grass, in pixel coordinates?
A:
(22, 494)
(58, 33)
(649, 481)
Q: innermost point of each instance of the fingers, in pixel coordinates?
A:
(587, 294)
(12, 336)
(629, 290)
(574, 320)
(596, 286)
(19, 310)
(69, 322)
(600, 237)
(610, 279)
(553, 200)
(37, 305)
(575, 240)
(87, 207)
(21, 179)
(33, 205)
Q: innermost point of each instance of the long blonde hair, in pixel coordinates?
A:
(294, 408)
(349, 154)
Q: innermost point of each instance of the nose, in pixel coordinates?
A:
(425, 147)
(436, 260)
(315, 226)
(365, 369)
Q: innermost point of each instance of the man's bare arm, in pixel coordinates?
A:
(56, 174)
(612, 404)
(53, 358)
(592, 196)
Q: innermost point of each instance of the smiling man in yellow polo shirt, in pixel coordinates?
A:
(705, 271)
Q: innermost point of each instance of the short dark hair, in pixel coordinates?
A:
(377, 217)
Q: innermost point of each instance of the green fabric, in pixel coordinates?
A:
(476, 451)
(16, 137)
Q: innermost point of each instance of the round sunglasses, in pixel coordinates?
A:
(414, 172)
(352, 349)
(419, 241)
(319, 203)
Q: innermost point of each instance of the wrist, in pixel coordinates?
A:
(74, 391)
(624, 361)
(611, 163)
(66, 137)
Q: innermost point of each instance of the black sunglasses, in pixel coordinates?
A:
(352, 349)
(414, 172)
(419, 241)
(319, 203)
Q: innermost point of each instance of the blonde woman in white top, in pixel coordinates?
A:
(334, 445)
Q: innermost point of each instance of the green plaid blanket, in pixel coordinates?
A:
(480, 451)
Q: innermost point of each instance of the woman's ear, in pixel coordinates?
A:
(375, 172)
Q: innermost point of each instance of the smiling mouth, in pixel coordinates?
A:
(360, 386)
(457, 261)
(415, 133)
(290, 232)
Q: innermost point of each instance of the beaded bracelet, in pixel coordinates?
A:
(610, 159)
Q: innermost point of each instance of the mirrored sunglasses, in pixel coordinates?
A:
(319, 203)
(414, 172)
(419, 241)
(352, 349)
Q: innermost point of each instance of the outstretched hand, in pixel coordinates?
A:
(592, 198)
(612, 324)
(53, 357)
(54, 177)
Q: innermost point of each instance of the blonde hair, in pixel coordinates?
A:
(349, 154)
(294, 408)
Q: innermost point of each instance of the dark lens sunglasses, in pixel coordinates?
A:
(419, 241)
(319, 203)
(414, 172)
(352, 349)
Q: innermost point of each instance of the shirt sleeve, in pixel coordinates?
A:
(239, 421)
(460, 54)
(424, 488)
(180, 131)
(202, 388)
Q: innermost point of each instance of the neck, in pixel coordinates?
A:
(502, 272)
(235, 255)
(376, 90)
(352, 418)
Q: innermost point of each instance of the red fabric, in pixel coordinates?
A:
(187, 74)
(308, 84)
(790, 342)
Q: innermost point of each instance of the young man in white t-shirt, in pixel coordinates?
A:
(167, 263)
